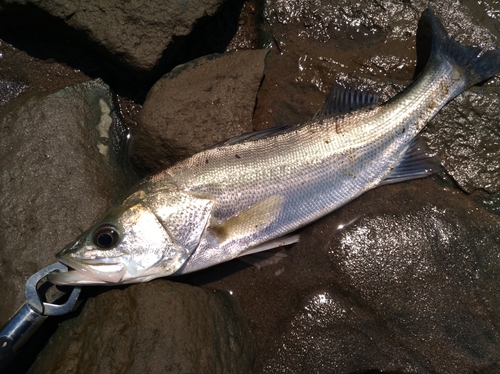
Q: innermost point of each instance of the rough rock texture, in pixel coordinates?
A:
(55, 150)
(159, 327)
(469, 141)
(136, 36)
(197, 105)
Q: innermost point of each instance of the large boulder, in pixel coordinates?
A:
(61, 169)
(197, 105)
(140, 39)
(159, 327)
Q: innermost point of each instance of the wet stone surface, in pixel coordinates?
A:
(404, 279)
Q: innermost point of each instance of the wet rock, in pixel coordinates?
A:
(197, 105)
(9, 90)
(58, 174)
(403, 279)
(467, 138)
(159, 327)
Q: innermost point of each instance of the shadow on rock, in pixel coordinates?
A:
(133, 49)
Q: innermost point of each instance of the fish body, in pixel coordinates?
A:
(246, 195)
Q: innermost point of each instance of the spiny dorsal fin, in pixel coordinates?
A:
(254, 135)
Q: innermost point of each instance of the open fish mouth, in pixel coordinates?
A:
(89, 272)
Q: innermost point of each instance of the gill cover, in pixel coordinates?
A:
(151, 234)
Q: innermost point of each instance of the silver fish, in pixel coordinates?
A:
(247, 194)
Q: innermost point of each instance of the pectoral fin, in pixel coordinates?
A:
(253, 219)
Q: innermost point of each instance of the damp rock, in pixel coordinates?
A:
(466, 137)
(157, 327)
(403, 279)
(197, 105)
(61, 168)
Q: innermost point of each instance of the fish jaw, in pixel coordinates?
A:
(90, 272)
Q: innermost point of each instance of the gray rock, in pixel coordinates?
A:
(197, 105)
(9, 90)
(58, 174)
(466, 138)
(158, 327)
(136, 33)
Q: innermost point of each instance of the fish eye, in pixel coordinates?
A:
(106, 236)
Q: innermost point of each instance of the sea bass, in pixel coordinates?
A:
(247, 194)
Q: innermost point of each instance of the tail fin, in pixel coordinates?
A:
(476, 66)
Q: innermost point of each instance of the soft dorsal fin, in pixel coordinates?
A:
(342, 100)
(418, 162)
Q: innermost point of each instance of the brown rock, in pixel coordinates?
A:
(197, 105)
(158, 327)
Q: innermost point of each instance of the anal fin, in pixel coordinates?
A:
(418, 162)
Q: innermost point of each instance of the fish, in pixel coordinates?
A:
(252, 193)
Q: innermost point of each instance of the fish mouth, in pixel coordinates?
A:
(89, 272)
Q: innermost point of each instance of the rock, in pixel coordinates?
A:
(197, 105)
(139, 38)
(9, 90)
(58, 174)
(407, 290)
(158, 327)
(467, 140)
(403, 279)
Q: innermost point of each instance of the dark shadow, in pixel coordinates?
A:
(423, 43)
(46, 37)
(211, 274)
(27, 354)
(375, 371)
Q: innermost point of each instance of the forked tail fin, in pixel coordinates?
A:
(476, 64)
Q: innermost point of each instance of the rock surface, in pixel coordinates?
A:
(55, 150)
(159, 327)
(401, 290)
(197, 105)
(137, 37)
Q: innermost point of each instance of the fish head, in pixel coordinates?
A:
(141, 239)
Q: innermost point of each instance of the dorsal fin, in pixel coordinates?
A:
(342, 100)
